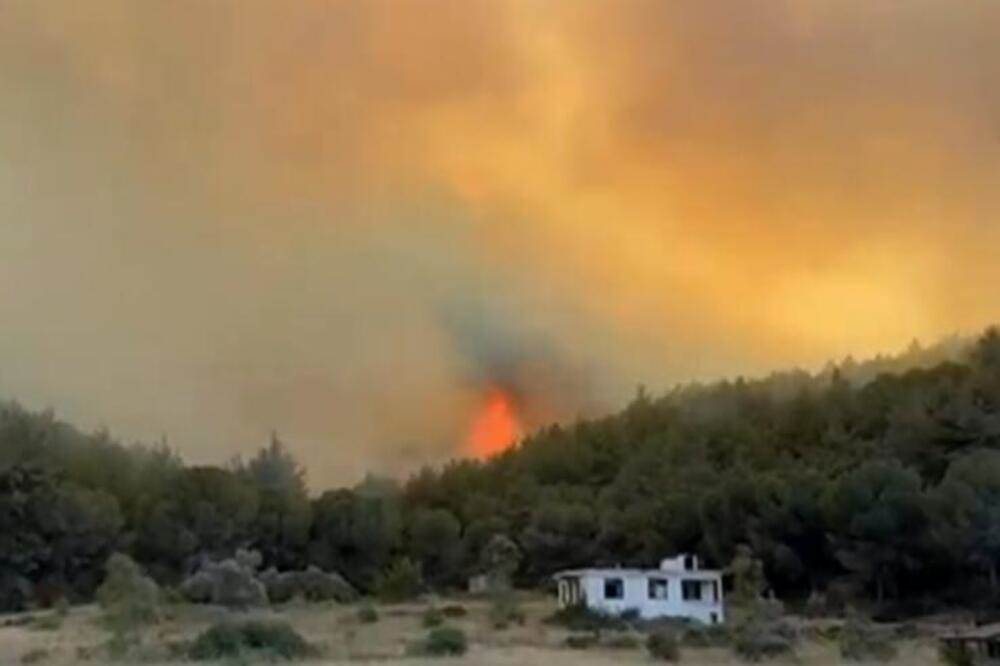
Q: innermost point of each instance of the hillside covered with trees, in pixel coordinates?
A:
(877, 480)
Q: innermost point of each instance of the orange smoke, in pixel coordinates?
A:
(495, 427)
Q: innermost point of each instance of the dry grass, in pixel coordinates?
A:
(345, 640)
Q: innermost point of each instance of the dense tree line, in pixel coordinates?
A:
(877, 480)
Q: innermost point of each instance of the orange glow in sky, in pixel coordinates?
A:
(495, 427)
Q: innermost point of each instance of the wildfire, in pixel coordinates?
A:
(495, 427)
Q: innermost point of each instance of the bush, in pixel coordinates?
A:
(367, 614)
(861, 640)
(313, 584)
(401, 582)
(432, 617)
(955, 654)
(128, 598)
(251, 637)
(706, 635)
(227, 583)
(581, 618)
(280, 587)
(443, 642)
(663, 645)
(454, 610)
(764, 634)
(46, 622)
(504, 611)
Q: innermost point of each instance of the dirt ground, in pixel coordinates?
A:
(342, 639)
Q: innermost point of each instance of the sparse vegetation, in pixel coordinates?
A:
(432, 617)
(764, 633)
(401, 582)
(454, 610)
(256, 638)
(862, 640)
(442, 642)
(367, 614)
(705, 635)
(663, 645)
(50, 621)
(581, 618)
(504, 610)
(953, 654)
(129, 601)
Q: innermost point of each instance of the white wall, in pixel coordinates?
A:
(637, 597)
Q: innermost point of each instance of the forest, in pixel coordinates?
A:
(873, 482)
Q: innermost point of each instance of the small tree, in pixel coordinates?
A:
(499, 559)
(129, 600)
(402, 581)
(748, 576)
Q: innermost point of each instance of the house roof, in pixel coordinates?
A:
(703, 574)
(985, 632)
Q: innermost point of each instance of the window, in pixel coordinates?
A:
(614, 588)
(715, 591)
(714, 617)
(688, 562)
(691, 590)
(658, 588)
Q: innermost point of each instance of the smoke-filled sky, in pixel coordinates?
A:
(356, 222)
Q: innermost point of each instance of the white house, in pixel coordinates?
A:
(679, 588)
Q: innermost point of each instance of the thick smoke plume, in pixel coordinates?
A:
(352, 221)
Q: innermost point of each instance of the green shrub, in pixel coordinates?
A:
(367, 614)
(129, 600)
(270, 639)
(312, 584)
(955, 654)
(46, 622)
(663, 645)
(128, 597)
(581, 618)
(705, 635)
(505, 611)
(400, 582)
(432, 617)
(581, 641)
(862, 640)
(443, 642)
(764, 634)
(454, 610)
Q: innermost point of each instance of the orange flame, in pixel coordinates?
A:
(495, 427)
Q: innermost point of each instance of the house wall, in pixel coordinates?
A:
(637, 597)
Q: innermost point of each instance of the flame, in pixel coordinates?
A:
(495, 427)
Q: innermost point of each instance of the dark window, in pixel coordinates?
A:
(658, 588)
(688, 562)
(715, 591)
(691, 590)
(714, 617)
(614, 588)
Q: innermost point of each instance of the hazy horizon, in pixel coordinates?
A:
(355, 223)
